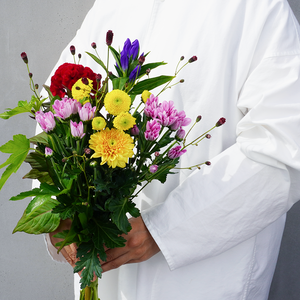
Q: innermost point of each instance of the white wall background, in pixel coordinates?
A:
(42, 29)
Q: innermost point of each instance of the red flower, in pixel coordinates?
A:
(66, 75)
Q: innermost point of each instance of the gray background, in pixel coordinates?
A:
(42, 29)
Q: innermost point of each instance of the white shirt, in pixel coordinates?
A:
(218, 228)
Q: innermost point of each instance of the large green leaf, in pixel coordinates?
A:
(19, 147)
(150, 84)
(38, 217)
(44, 190)
(23, 107)
(40, 138)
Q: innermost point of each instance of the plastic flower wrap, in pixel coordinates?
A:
(97, 151)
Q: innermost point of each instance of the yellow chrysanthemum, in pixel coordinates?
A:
(124, 121)
(81, 90)
(117, 102)
(98, 123)
(114, 146)
(145, 95)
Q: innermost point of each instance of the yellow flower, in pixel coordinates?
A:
(116, 102)
(124, 121)
(81, 90)
(98, 123)
(114, 146)
(145, 95)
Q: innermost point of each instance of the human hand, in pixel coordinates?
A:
(139, 247)
(69, 252)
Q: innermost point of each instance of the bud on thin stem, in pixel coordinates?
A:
(109, 37)
(192, 59)
(72, 49)
(24, 57)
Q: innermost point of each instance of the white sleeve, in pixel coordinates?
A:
(249, 185)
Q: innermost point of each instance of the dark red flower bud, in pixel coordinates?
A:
(221, 122)
(36, 86)
(72, 49)
(87, 151)
(141, 59)
(109, 37)
(192, 59)
(24, 57)
(181, 81)
(85, 80)
(148, 71)
(198, 119)
(208, 163)
(208, 136)
(94, 45)
(98, 77)
(30, 75)
(79, 55)
(182, 58)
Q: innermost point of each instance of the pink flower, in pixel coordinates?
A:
(180, 134)
(77, 129)
(86, 112)
(46, 120)
(176, 152)
(152, 130)
(166, 113)
(65, 108)
(48, 151)
(134, 130)
(181, 120)
(151, 106)
(153, 168)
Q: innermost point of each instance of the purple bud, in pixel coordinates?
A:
(98, 77)
(72, 49)
(153, 168)
(109, 37)
(24, 57)
(94, 45)
(192, 59)
(156, 154)
(182, 58)
(30, 75)
(48, 152)
(142, 59)
(79, 55)
(180, 134)
(198, 119)
(208, 163)
(87, 151)
(134, 50)
(220, 122)
(148, 71)
(208, 136)
(134, 130)
(85, 80)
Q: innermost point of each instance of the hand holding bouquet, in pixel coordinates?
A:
(104, 139)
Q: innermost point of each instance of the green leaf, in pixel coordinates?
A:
(23, 107)
(38, 217)
(97, 60)
(88, 262)
(119, 83)
(41, 138)
(44, 190)
(19, 147)
(150, 84)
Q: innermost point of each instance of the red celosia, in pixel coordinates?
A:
(66, 75)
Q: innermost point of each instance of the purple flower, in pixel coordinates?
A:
(86, 112)
(176, 152)
(46, 120)
(180, 134)
(124, 60)
(77, 129)
(151, 106)
(134, 50)
(65, 108)
(153, 168)
(135, 73)
(166, 113)
(48, 152)
(180, 121)
(134, 130)
(152, 130)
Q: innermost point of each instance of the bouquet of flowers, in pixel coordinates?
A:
(100, 146)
